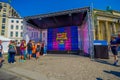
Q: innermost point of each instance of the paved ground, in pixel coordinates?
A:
(61, 67)
(6, 75)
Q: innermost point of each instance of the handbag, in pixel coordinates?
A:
(12, 50)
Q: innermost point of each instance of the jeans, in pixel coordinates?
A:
(11, 58)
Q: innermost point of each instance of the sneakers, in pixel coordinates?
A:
(14, 63)
(115, 63)
(22, 60)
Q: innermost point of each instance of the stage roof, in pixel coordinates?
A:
(73, 17)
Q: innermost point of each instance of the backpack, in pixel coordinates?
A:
(29, 46)
(12, 49)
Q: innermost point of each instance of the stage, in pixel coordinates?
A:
(62, 32)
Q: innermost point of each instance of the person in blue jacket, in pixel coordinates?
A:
(114, 47)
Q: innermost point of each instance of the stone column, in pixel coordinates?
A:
(98, 30)
(114, 28)
(107, 31)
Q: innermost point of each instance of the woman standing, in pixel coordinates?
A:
(23, 50)
(42, 48)
(33, 49)
(38, 50)
(12, 51)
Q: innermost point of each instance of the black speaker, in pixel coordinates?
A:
(101, 51)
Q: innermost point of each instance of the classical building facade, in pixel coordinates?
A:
(106, 23)
(6, 11)
(15, 29)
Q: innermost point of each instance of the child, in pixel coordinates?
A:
(38, 47)
(113, 46)
(25, 51)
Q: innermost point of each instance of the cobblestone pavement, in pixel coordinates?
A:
(6, 75)
(61, 67)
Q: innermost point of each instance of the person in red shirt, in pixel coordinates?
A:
(23, 50)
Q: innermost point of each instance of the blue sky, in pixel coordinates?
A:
(34, 7)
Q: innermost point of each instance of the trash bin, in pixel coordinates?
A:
(101, 49)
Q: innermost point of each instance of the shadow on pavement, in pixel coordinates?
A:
(116, 73)
(99, 79)
(103, 62)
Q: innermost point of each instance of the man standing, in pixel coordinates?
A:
(1, 56)
(118, 43)
(113, 45)
(29, 49)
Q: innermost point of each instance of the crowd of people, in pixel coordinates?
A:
(24, 50)
(33, 49)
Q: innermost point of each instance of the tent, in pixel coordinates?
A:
(5, 42)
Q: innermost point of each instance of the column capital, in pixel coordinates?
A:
(106, 22)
